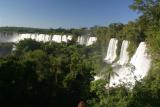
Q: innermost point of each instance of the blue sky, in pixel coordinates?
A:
(64, 13)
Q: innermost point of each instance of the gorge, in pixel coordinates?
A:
(128, 70)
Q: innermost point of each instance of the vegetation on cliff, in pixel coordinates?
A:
(61, 74)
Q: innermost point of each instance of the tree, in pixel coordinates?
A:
(106, 74)
(150, 10)
(56, 67)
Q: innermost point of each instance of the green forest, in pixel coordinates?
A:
(53, 74)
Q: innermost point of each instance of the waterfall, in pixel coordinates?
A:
(124, 57)
(138, 69)
(64, 38)
(81, 40)
(111, 52)
(128, 72)
(91, 40)
(15, 37)
(141, 61)
(97, 78)
(40, 37)
(47, 38)
(8, 37)
(57, 38)
(86, 40)
(69, 37)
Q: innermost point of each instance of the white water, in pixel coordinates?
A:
(8, 37)
(57, 38)
(64, 38)
(14, 37)
(81, 40)
(124, 56)
(84, 40)
(97, 78)
(128, 72)
(111, 52)
(142, 61)
(69, 37)
(91, 41)
(128, 75)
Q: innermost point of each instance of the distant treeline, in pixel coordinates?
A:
(50, 74)
(43, 31)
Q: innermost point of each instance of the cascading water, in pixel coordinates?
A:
(8, 37)
(91, 40)
(124, 56)
(81, 40)
(57, 38)
(111, 52)
(127, 73)
(47, 38)
(86, 40)
(64, 38)
(142, 61)
(137, 69)
(69, 37)
(14, 37)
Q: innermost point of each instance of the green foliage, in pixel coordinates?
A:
(145, 93)
(45, 74)
(53, 74)
(5, 49)
(27, 45)
(61, 31)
